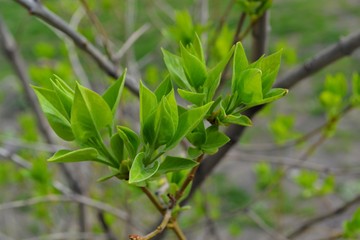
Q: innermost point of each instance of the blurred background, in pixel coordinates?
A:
(132, 33)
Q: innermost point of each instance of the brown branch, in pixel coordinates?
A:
(326, 57)
(316, 220)
(37, 9)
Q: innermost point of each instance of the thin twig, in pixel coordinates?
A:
(260, 222)
(37, 9)
(153, 199)
(316, 220)
(99, 27)
(130, 41)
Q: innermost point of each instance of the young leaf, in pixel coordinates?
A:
(355, 98)
(117, 147)
(165, 125)
(195, 98)
(139, 172)
(80, 155)
(130, 139)
(241, 120)
(198, 48)
(163, 89)
(148, 105)
(89, 114)
(174, 66)
(187, 122)
(240, 62)
(65, 97)
(270, 66)
(272, 95)
(113, 93)
(173, 164)
(248, 86)
(214, 138)
(55, 113)
(214, 76)
(195, 69)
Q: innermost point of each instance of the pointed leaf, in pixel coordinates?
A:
(240, 62)
(248, 85)
(198, 48)
(139, 172)
(272, 95)
(117, 147)
(163, 89)
(214, 138)
(238, 120)
(164, 125)
(195, 98)
(214, 76)
(113, 93)
(90, 114)
(148, 105)
(187, 122)
(173, 164)
(80, 155)
(66, 98)
(195, 69)
(130, 139)
(174, 66)
(270, 66)
(55, 113)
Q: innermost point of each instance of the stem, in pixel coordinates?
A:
(188, 179)
(154, 201)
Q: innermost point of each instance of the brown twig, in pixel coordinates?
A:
(153, 199)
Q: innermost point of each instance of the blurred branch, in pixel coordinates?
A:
(130, 41)
(261, 224)
(37, 9)
(68, 235)
(10, 49)
(105, 226)
(326, 57)
(316, 220)
(99, 27)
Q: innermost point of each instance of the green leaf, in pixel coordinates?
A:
(195, 70)
(139, 172)
(117, 147)
(55, 113)
(163, 89)
(80, 155)
(198, 48)
(214, 75)
(187, 122)
(240, 62)
(113, 93)
(214, 138)
(270, 66)
(109, 176)
(165, 122)
(148, 105)
(89, 114)
(174, 66)
(130, 139)
(194, 152)
(355, 98)
(248, 86)
(241, 120)
(173, 164)
(65, 97)
(195, 98)
(271, 96)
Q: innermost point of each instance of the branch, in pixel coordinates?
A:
(326, 57)
(37, 9)
(310, 223)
